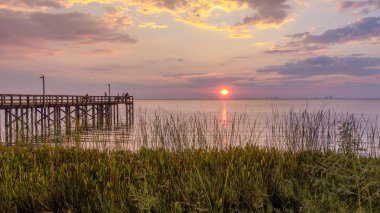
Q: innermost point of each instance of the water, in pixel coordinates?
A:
(262, 106)
(299, 124)
(266, 122)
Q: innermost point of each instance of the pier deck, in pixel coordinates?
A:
(8, 101)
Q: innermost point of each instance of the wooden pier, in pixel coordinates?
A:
(33, 117)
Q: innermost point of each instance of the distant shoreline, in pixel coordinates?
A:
(247, 99)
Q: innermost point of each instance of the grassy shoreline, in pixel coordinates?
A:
(234, 179)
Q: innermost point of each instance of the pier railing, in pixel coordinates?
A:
(19, 101)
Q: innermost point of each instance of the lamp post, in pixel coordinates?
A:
(109, 89)
(43, 94)
(43, 84)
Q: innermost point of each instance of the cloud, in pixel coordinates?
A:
(365, 28)
(25, 53)
(187, 75)
(31, 5)
(264, 12)
(99, 52)
(360, 30)
(218, 80)
(364, 6)
(152, 25)
(200, 13)
(18, 28)
(116, 18)
(294, 47)
(325, 65)
(34, 3)
(267, 12)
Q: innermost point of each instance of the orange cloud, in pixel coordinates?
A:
(152, 25)
(264, 14)
(116, 18)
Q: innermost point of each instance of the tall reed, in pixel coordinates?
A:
(322, 130)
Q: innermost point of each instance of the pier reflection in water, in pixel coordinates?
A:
(111, 136)
(115, 137)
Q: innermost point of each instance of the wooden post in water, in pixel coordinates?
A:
(68, 119)
(108, 110)
(47, 116)
(35, 124)
(27, 123)
(117, 115)
(16, 120)
(85, 108)
(114, 114)
(42, 122)
(93, 116)
(32, 124)
(59, 110)
(6, 125)
(77, 117)
(10, 126)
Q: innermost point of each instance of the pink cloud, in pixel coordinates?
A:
(18, 28)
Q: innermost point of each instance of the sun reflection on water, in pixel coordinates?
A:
(224, 115)
(224, 118)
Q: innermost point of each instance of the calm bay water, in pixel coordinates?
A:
(297, 124)
(260, 106)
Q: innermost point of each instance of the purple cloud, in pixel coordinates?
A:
(325, 65)
(34, 3)
(365, 6)
(267, 11)
(30, 28)
(214, 81)
(293, 47)
(362, 29)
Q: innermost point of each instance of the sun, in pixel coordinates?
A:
(224, 92)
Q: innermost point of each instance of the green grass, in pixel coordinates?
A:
(246, 179)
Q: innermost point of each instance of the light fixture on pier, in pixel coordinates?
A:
(43, 84)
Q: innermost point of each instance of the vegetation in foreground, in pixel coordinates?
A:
(246, 179)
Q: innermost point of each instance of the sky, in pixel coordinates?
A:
(174, 49)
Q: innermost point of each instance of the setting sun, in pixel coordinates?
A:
(224, 92)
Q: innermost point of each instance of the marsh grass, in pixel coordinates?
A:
(319, 130)
(296, 161)
(234, 179)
